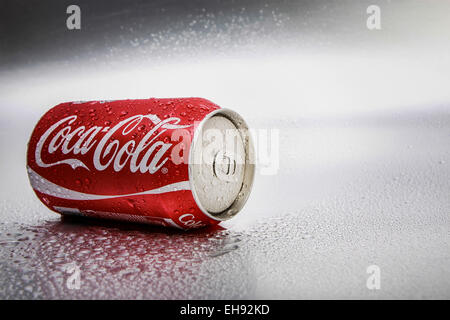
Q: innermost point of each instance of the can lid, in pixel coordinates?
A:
(221, 164)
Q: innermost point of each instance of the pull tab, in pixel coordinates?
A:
(224, 166)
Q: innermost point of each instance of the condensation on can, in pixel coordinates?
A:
(222, 182)
(186, 194)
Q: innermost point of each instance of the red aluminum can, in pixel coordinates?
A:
(158, 161)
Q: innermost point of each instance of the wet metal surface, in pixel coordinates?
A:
(310, 231)
(119, 261)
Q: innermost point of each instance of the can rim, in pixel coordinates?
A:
(249, 168)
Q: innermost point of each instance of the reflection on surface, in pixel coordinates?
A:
(117, 260)
(351, 193)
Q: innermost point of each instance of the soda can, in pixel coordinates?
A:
(184, 162)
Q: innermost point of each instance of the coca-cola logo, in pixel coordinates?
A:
(147, 155)
(188, 220)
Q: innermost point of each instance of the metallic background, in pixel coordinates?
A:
(364, 126)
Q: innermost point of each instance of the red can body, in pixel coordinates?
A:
(119, 159)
